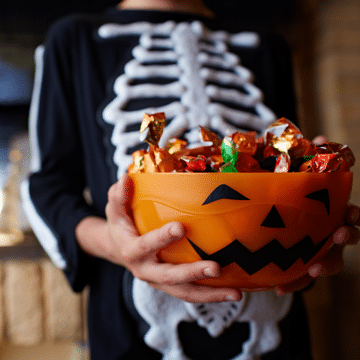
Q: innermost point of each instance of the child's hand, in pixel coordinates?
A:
(138, 253)
(332, 264)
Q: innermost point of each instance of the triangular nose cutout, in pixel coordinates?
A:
(273, 219)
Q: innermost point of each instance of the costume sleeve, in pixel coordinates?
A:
(52, 196)
(280, 83)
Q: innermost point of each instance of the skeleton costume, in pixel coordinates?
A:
(95, 78)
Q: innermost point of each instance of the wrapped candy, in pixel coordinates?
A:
(326, 163)
(175, 145)
(269, 151)
(282, 135)
(195, 163)
(152, 127)
(229, 153)
(246, 163)
(281, 149)
(155, 159)
(214, 162)
(342, 152)
(282, 163)
(246, 142)
(208, 135)
(165, 162)
(138, 164)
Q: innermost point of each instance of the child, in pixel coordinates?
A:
(96, 77)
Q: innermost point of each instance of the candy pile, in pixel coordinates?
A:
(281, 149)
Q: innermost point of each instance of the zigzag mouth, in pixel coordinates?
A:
(273, 252)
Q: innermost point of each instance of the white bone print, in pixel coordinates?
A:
(163, 312)
(203, 77)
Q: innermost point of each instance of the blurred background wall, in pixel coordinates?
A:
(39, 316)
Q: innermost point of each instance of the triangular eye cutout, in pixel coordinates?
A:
(322, 196)
(273, 219)
(224, 192)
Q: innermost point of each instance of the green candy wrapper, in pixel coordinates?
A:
(230, 154)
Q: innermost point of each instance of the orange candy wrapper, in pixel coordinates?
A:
(282, 149)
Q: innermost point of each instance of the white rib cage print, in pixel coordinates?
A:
(201, 82)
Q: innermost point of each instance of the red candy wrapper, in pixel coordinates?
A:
(326, 163)
(195, 163)
(344, 154)
(282, 164)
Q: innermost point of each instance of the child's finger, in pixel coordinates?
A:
(319, 140)
(119, 201)
(155, 240)
(329, 265)
(169, 274)
(346, 235)
(200, 293)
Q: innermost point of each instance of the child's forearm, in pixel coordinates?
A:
(93, 236)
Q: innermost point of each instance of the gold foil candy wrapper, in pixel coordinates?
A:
(175, 145)
(150, 165)
(215, 162)
(153, 126)
(200, 150)
(303, 148)
(138, 164)
(305, 166)
(282, 135)
(208, 135)
(166, 162)
(246, 142)
(154, 160)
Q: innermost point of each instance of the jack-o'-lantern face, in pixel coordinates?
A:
(264, 229)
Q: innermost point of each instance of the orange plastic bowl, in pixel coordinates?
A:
(264, 229)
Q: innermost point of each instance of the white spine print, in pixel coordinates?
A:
(203, 78)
